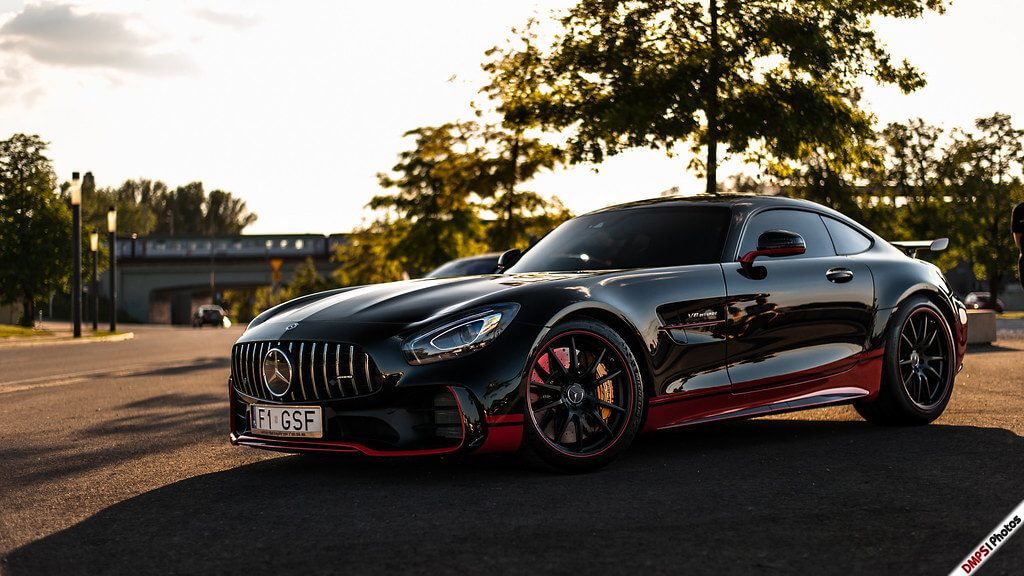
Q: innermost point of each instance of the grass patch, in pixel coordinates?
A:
(9, 331)
(1012, 315)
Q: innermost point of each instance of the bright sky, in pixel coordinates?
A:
(295, 106)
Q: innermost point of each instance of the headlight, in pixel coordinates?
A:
(465, 335)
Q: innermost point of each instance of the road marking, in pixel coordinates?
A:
(54, 380)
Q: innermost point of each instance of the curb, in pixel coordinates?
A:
(45, 341)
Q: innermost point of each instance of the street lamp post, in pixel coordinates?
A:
(94, 247)
(112, 229)
(76, 255)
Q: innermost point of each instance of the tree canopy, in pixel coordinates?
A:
(35, 225)
(435, 183)
(775, 77)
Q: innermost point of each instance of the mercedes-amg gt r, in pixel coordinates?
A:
(638, 317)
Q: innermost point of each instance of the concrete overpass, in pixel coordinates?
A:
(163, 279)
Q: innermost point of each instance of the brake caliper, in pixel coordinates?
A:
(605, 392)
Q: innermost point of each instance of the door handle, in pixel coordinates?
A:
(839, 275)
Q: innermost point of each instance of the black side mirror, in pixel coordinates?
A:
(775, 243)
(508, 259)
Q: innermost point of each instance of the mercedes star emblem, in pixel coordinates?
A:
(277, 372)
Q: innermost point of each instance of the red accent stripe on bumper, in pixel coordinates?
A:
(504, 419)
(502, 439)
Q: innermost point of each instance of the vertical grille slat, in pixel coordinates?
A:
(250, 364)
(313, 376)
(327, 379)
(254, 367)
(337, 368)
(293, 393)
(351, 370)
(366, 372)
(312, 371)
(302, 383)
(243, 368)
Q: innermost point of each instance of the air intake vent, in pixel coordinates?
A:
(447, 418)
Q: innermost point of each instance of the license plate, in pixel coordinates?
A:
(286, 421)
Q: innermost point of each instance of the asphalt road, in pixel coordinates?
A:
(114, 458)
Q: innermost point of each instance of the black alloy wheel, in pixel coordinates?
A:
(919, 367)
(584, 396)
(924, 358)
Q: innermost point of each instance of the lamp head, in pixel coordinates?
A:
(94, 241)
(112, 220)
(76, 189)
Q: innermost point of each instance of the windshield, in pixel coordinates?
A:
(650, 237)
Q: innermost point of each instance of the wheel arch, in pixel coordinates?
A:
(616, 321)
(936, 297)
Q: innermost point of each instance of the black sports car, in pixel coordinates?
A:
(643, 316)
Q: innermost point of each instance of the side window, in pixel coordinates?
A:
(806, 224)
(847, 240)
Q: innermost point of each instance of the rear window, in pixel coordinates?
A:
(846, 239)
(649, 237)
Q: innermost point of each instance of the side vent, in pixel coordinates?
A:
(447, 418)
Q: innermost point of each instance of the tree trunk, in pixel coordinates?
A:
(714, 77)
(28, 310)
(995, 285)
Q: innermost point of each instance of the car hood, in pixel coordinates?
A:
(412, 302)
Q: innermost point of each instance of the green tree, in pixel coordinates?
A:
(840, 179)
(369, 255)
(436, 183)
(515, 153)
(985, 183)
(188, 211)
(913, 174)
(306, 280)
(134, 201)
(779, 77)
(226, 215)
(35, 225)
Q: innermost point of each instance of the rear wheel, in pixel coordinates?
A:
(917, 378)
(584, 397)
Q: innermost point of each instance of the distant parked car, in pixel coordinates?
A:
(983, 301)
(468, 266)
(210, 314)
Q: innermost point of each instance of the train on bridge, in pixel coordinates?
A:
(163, 279)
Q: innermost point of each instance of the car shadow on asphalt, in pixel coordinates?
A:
(197, 365)
(152, 426)
(760, 496)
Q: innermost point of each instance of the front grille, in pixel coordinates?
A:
(320, 371)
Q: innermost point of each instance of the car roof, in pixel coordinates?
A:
(727, 200)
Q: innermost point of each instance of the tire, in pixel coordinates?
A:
(919, 367)
(580, 414)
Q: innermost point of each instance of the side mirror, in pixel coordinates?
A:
(775, 243)
(508, 259)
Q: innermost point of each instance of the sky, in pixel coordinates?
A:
(296, 106)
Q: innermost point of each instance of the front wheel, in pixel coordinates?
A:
(584, 397)
(920, 365)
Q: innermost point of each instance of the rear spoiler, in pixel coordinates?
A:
(911, 247)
